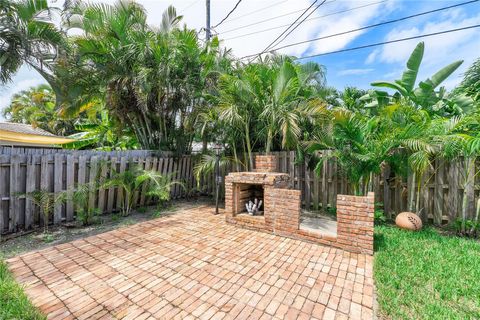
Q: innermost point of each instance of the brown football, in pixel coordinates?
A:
(408, 221)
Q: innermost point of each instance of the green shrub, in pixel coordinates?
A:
(88, 216)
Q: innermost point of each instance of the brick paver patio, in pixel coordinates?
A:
(193, 265)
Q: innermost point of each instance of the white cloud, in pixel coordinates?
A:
(250, 12)
(372, 57)
(439, 50)
(354, 72)
(350, 21)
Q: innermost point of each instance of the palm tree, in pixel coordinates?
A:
(292, 87)
(470, 85)
(134, 179)
(46, 201)
(27, 35)
(239, 104)
(269, 103)
(153, 79)
(36, 106)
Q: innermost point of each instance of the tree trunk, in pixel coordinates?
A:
(249, 147)
(235, 156)
(269, 141)
(204, 144)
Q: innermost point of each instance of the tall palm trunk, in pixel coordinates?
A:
(269, 140)
(235, 156)
(249, 146)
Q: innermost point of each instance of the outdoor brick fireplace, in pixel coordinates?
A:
(280, 212)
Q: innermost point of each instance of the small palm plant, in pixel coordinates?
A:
(133, 180)
(46, 201)
(206, 165)
(80, 197)
(159, 186)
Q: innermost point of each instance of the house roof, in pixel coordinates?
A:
(18, 134)
(24, 128)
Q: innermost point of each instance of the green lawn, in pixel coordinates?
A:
(425, 275)
(14, 304)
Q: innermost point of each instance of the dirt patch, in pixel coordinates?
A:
(60, 234)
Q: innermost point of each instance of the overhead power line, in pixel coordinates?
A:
(311, 19)
(368, 27)
(228, 15)
(389, 42)
(189, 6)
(298, 24)
(254, 11)
(270, 19)
(290, 26)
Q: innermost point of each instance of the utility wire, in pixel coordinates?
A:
(269, 19)
(255, 11)
(189, 6)
(314, 18)
(298, 24)
(228, 15)
(391, 41)
(369, 26)
(286, 30)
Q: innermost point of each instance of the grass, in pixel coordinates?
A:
(425, 275)
(14, 303)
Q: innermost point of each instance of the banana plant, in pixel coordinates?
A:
(425, 96)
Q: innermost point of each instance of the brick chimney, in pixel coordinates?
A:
(265, 163)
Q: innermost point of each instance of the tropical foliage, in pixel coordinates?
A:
(102, 133)
(154, 79)
(425, 97)
(36, 106)
(46, 201)
(470, 85)
(27, 36)
(405, 130)
(135, 179)
(269, 105)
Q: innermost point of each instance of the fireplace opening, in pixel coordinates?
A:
(249, 199)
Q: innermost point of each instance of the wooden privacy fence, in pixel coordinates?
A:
(23, 173)
(6, 150)
(440, 198)
(441, 188)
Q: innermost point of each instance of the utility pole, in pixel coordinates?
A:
(207, 27)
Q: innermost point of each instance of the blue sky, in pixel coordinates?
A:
(356, 68)
(361, 67)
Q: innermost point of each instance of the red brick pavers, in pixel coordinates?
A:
(194, 265)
